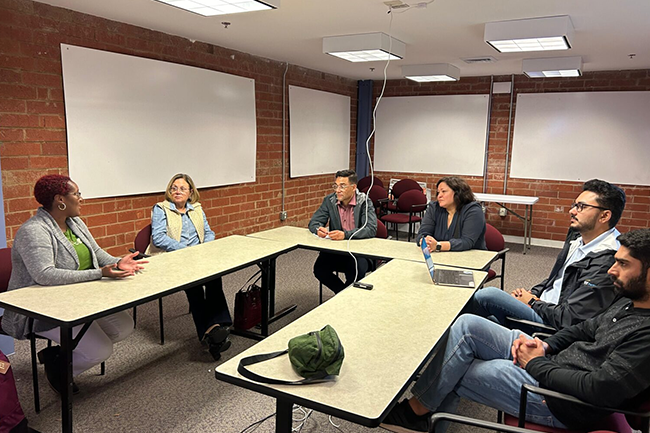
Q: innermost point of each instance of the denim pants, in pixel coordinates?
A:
(491, 301)
(477, 364)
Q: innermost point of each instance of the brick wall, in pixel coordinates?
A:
(32, 122)
(550, 220)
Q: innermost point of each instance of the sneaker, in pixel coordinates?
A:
(218, 341)
(402, 419)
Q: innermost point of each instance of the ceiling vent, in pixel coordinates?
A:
(472, 60)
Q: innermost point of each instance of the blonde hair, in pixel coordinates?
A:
(194, 193)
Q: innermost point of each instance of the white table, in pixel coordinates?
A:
(70, 305)
(377, 248)
(527, 201)
(388, 334)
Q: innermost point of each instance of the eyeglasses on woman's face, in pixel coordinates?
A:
(177, 189)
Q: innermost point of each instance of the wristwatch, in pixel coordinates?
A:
(438, 247)
(531, 301)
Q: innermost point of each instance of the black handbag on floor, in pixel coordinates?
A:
(248, 304)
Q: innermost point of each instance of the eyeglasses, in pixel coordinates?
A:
(579, 206)
(78, 193)
(336, 187)
(181, 189)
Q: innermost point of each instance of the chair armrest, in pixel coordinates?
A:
(532, 324)
(503, 252)
(526, 388)
(489, 425)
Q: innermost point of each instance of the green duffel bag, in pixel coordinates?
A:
(317, 356)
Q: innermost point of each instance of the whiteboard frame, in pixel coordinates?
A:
(320, 132)
(577, 136)
(432, 134)
(132, 123)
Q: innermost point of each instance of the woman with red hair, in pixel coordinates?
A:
(55, 247)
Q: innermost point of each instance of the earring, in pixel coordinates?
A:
(61, 206)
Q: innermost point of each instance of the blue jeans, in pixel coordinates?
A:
(477, 365)
(491, 301)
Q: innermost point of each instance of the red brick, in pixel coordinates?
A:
(120, 228)
(45, 80)
(12, 106)
(45, 107)
(44, 135)
(48, 162)
(20, 149)
(17, 91)
(7, 134)
(15, 163)
(54, 148)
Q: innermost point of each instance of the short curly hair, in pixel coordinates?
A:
(50, 185)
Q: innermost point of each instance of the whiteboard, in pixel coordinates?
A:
(132, 123)
(580, 136)
(319, 132)
(432, 134)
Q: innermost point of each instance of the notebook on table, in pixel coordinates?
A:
(447, 277)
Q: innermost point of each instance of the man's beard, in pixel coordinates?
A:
(635, 289)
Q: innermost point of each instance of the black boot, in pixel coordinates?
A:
(51, 359)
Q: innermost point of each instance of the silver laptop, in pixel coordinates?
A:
(447, 277)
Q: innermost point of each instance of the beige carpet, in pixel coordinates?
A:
(172, 388)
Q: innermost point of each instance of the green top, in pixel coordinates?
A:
(85, 261)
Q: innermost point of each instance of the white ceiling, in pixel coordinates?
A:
(606, 31)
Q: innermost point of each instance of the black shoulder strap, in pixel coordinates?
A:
(321, 376)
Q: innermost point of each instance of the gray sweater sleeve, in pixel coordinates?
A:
(37, 249)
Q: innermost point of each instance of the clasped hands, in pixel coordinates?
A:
(431, 243)
(524, 349)
(523, 295)
(336, 235)
(125, 267)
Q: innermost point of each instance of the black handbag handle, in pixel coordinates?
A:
(319, 377)
(257, 275)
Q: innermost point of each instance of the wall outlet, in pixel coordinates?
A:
(503, 212)
(283, 215)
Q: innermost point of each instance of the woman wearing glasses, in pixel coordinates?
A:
(180, 222)
(54, 247)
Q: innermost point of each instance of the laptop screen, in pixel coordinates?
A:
(427, 257)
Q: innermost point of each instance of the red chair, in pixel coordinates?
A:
(364, 183)
(141, 243)
(507, 428)
(378, 196)
(5, 275)
(410, 205)
(495, 242)
(400, 187)
(621, 421)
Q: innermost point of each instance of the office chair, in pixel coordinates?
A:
(397, 190)
(494, 242)
(410, 207)
(364, 183)
(141, 243)
(5, 275)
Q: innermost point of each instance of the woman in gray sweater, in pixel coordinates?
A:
(54, 247)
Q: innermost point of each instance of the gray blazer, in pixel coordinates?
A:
(41, 254)
(328, 212)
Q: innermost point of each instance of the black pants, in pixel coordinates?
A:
(208, 306)
(327, 264)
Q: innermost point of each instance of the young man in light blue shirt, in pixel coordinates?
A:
(578, 287)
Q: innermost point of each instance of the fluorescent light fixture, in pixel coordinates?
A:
(553, 67)
(433, 72)
(209, 8)
(535, 34)
(369, 47)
